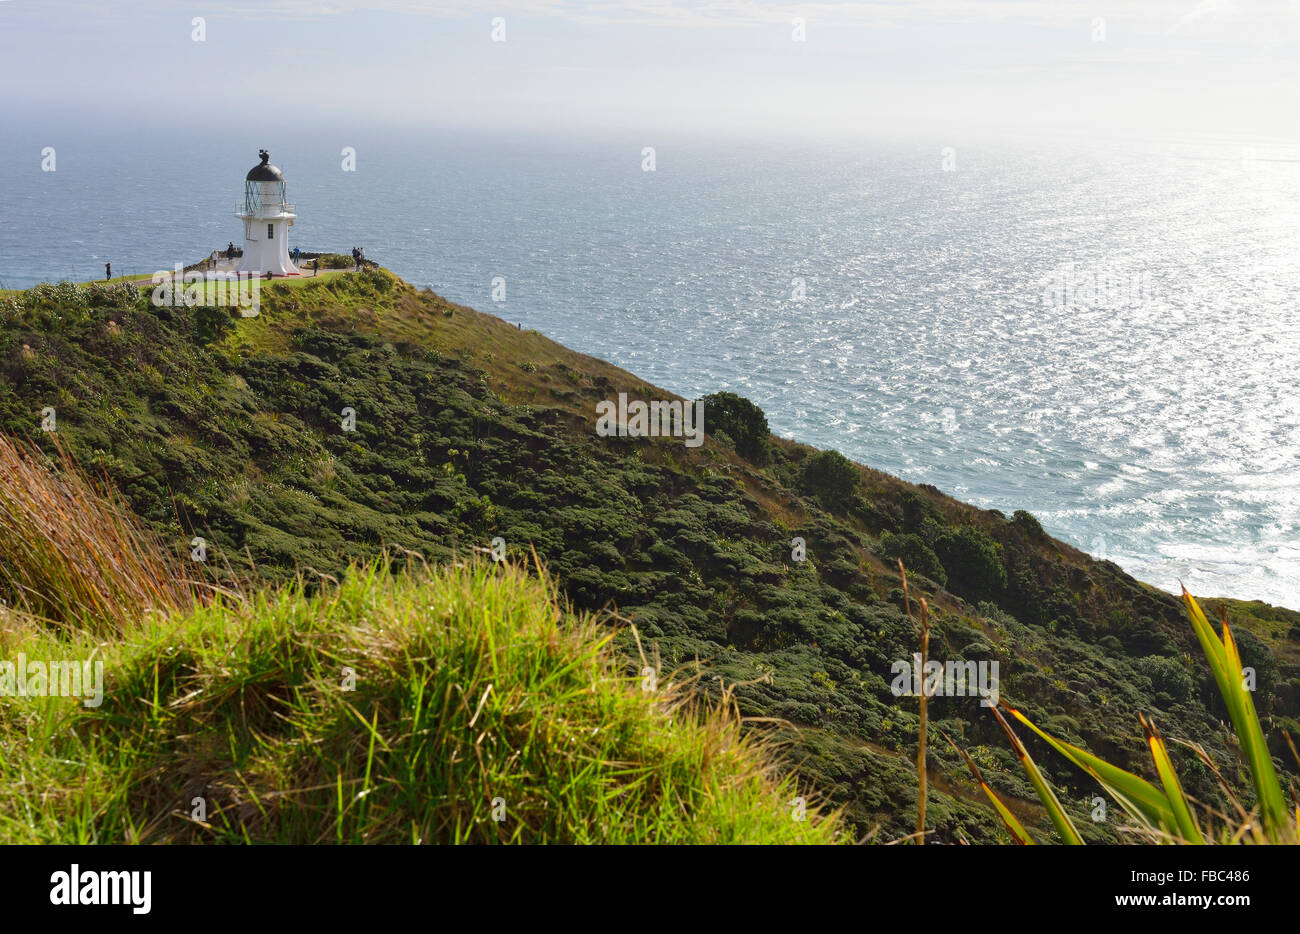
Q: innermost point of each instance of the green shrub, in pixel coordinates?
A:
(211, 324)
(1167, 676)
(974, 563)
(742, 420)
(1029, 525)
(831, 477)
(1112, 645)
(378, 279)
(919, 513)
(335, 261)
(916, 555)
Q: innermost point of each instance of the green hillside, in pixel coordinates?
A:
(468, 429)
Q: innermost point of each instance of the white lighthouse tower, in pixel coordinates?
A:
(267, 218)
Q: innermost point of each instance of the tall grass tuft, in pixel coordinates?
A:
(71, 553)
(454, 705)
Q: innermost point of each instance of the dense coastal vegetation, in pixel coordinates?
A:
(751, 565)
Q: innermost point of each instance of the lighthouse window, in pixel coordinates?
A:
(270, 231)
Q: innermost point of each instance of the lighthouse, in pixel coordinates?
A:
(267, 218)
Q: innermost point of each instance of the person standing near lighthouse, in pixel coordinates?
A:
(267, 217)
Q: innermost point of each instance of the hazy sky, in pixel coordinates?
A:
(1151, 67)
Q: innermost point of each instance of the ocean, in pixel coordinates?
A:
(1104, 334)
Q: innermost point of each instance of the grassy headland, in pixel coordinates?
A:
(468, 429)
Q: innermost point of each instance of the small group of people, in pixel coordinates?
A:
(358, 256)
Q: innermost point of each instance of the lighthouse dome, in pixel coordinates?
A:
(264, 171)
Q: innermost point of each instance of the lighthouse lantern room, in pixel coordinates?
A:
(267, 217)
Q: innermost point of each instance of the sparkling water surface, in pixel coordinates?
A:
(1103, 334)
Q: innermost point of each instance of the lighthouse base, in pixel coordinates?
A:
(262, 264)
(266, 244)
